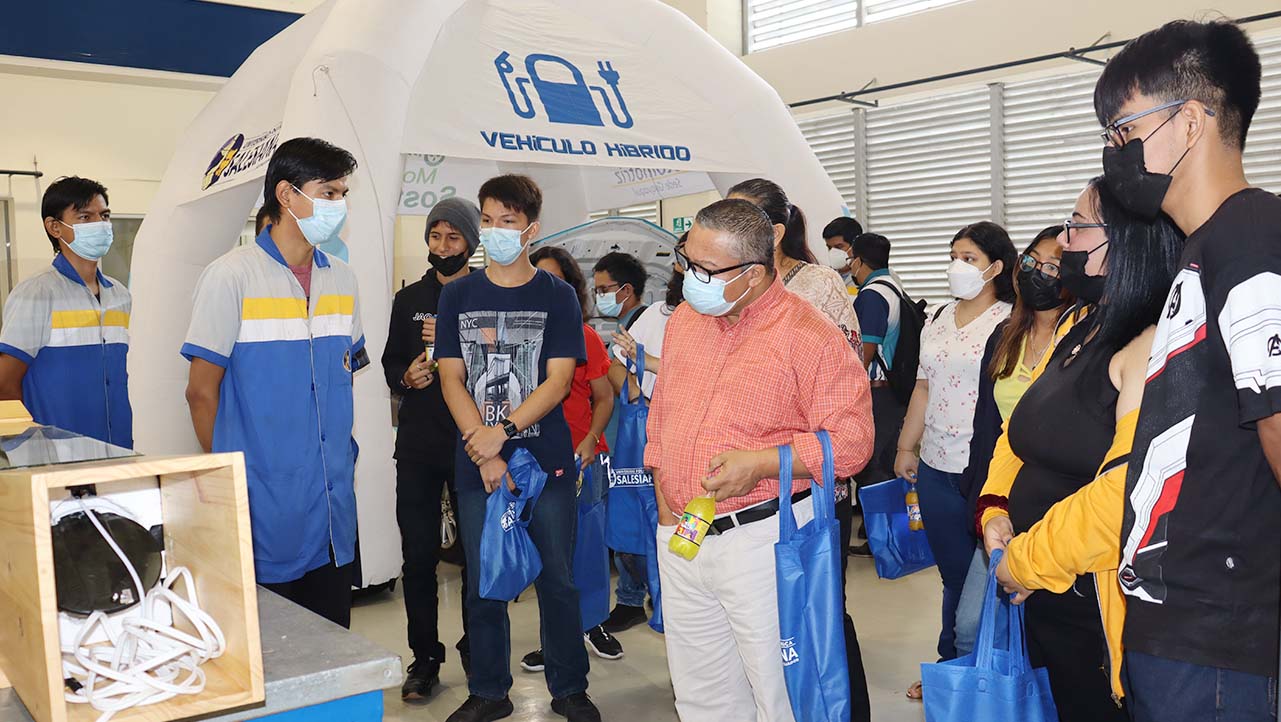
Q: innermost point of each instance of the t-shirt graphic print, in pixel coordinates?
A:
(502, 351)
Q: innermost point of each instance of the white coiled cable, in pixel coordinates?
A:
(148, 660)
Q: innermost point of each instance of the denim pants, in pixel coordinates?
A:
(552, 529)
(1166, 690)
(632, 579)
(947, 519)
(970, 605)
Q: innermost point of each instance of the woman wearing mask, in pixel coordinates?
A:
(1075, 422)
(825, 290)
(940, 415)
(1014, 350)
(587, 411)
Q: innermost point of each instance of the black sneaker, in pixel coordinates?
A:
(623, 618)
(603, 644)
(420, 679)
(533, 662)
(576, 708)
(479, 709)
(862, 551)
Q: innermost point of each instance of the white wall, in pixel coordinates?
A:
(972, 34)
(118, 128)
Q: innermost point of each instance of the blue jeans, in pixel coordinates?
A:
(1165, 690)
(947, 520)
(633, 579)
(551, 528)
(970, 605)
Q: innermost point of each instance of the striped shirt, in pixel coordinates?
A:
(286, 398)
(74, 345)
(783, 372)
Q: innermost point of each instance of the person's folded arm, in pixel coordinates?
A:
(1082, 533)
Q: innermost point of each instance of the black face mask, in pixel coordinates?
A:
(1039, 292)
(1085, 287)
(447, 265)
(1127, 176)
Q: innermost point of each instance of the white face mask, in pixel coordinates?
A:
(966, 281)
(836, 259)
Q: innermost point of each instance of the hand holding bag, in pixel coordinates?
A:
(509, 561)
(990, 684)
(811, 615)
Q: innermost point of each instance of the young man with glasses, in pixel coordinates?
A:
(717, 418)
(1200, 560)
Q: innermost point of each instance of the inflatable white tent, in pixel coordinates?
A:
(592, 98)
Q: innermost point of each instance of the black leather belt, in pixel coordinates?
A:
(764, 510)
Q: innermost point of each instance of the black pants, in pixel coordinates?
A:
(887, 416)
(418, 490)
(860, 703)
(1065, 635)
(325, 591)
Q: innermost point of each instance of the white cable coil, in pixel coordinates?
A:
(148, 661)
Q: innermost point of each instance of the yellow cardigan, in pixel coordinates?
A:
(1079, 535)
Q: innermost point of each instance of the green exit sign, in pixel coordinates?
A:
(681, 224)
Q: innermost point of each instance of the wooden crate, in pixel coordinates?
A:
(205, 507)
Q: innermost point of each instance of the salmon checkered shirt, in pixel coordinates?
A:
(783, 372)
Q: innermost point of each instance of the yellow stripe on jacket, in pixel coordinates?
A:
(1081, 535)
(263, 309)
(88, 318)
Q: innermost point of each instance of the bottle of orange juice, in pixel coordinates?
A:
(914, 520)
(693, 526)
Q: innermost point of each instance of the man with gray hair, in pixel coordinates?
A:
(747, 367)
(426, 436)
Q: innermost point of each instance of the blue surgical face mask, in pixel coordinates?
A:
(503, 245)
(708, 298)
(92, 241)
(608, 304)
(326, 220)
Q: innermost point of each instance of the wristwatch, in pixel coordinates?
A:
(509, 427)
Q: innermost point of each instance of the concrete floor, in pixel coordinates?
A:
(897, 623)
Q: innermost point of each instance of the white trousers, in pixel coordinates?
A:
(720, 618)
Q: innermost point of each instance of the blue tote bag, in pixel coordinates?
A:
(896, 549)
(632, 507)
(992, 684)
(591, 556)
(509, 561)
(810, 610)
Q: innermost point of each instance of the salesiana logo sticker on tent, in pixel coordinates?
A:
(568, 98)
(237, 155)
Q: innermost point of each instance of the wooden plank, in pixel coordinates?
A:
(102, 472)
(207, 530)
(29, 627)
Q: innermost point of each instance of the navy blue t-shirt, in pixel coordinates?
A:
(505, 337)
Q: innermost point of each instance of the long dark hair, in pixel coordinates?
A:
(1142, 260)
(1022, 318)
(770, 197)
(569, 268)
(997, 246)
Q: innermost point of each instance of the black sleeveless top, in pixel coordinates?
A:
(1062, 427)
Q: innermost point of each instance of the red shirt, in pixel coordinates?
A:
(578, 405)
(783, 372)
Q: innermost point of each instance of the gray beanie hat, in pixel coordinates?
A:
(460, 213)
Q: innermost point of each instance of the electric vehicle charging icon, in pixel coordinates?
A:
(569, 103)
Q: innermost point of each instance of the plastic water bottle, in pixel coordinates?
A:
(692, 527)
(914, 520)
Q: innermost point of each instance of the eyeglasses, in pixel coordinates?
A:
(1030, 264)
(1113, 135)
(1070, 225)
(602, 290)
(705, 274)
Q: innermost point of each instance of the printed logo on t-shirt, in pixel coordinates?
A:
(1274, 345)
(502, 350)
(1176, 300)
